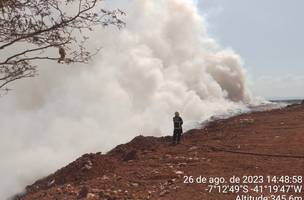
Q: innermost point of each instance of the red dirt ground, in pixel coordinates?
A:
(259, 144)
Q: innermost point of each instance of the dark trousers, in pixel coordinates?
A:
(177, 136)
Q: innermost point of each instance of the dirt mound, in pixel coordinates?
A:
(151, 168)
(84, 168)
(139, 143)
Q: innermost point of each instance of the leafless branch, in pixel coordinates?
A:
(42, 25)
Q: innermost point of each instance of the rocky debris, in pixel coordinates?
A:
(183, 164)
(194, 148)
(163, 193)
(91, 196)
(52, 182)
(168, 186)
(80, 170)
(171, 181)
(134, 184)
(247, 121)
(69, 189)
(88, 165)
(104, 177)
(179, 173)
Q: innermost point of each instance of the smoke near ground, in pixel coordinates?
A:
(162, 62)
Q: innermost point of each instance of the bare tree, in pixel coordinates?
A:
(29, 28)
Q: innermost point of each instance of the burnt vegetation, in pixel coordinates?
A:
(54, 30)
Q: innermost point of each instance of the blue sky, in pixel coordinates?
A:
(269, 35)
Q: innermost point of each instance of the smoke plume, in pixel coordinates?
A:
(162, 62)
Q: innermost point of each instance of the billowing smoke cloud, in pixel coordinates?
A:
(163, 61)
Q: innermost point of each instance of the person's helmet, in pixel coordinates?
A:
(177, 114)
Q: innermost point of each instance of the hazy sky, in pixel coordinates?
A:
(269, 35)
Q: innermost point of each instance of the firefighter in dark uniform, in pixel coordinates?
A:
(178, 129)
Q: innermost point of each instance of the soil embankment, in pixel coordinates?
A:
(263, 144)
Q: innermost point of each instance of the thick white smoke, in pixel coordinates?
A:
(162, 62)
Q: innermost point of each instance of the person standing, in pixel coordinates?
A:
(178, 128)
